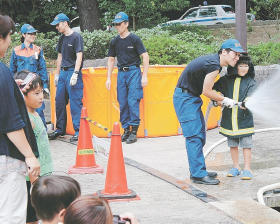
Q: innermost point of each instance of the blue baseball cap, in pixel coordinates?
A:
(120, 17)
(27, 28)
(232, 44)
(61, 17)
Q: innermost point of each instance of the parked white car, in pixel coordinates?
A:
(207, 15)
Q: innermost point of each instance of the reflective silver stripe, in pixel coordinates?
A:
(237, 132)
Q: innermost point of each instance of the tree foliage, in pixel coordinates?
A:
(38, 13)
(143, 13)
(266, 9)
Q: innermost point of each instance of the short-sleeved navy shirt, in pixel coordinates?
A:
(13, 115)
(192, 78)
(69, 46)
(127, 50)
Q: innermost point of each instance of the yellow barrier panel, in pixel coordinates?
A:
(157, 113)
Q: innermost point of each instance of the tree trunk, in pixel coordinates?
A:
(133, 23)
(89, 15)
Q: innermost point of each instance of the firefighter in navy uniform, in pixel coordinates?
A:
(197, 78)
(70, 83)
(128, 48)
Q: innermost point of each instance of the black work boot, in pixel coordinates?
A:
(132, 137)
(126, 134)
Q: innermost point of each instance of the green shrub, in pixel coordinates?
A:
(179, 28)
(169, 45)
(169, 50)
(96, 43)
(146, 34)
(265, 53)
(47, 41)
(188, 36)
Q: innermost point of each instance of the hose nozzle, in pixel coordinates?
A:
(241, 104)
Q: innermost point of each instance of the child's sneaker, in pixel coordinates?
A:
(246, 175)
(233, 172)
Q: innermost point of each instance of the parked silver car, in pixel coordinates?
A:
(207, 15)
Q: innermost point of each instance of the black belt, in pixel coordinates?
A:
(66, 68)
(187, 91)
(127, 68)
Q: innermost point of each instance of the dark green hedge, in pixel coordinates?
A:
(171, 45)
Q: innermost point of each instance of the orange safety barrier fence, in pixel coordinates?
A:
(157, 113)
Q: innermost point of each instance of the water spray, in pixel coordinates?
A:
(264, 102)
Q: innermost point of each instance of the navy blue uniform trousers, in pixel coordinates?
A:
(64, 93)
(130, 92)
(188, 110)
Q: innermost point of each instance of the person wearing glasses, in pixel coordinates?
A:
(198, 78)
(128, 48)
(30, 57)
(70, 85)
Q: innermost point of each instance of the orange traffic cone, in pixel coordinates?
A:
(85, 159)
(115, 184)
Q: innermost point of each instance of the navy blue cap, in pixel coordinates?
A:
(27, 28)
(120, 17)
(232, 44)
(61, 17)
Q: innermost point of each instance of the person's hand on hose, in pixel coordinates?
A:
(74, 79)
(227, 102)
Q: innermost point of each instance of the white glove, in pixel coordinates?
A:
(74, 79)
(227, 102)
(56, 77)
(47, 91)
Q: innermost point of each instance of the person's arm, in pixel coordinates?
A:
(18, 138)
(78, 63)
(111, 62)
(208, 87)
(251, 89)
(58, 63)
(212, 94)
(11, 120)
(42, 70)
(144, 80)
(79, 60)
(13, 63)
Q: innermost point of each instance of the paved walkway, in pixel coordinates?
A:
(161, 202)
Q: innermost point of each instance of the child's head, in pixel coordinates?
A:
(243, 67)
(51, 195)
(88, 210)
(34, 95)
